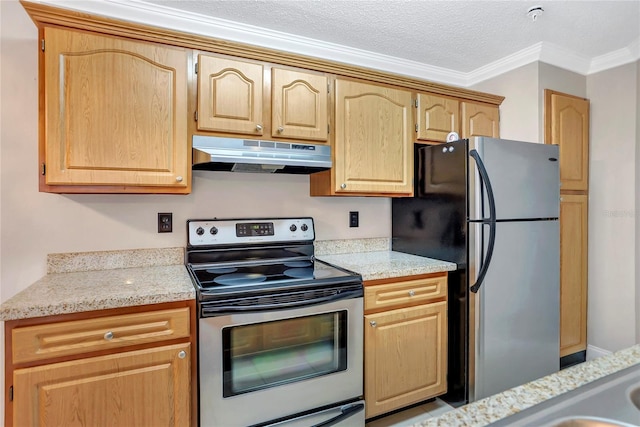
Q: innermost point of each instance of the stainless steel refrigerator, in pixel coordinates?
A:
(491, 206)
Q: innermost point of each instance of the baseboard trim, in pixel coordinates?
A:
(594, 352)
(573, 359)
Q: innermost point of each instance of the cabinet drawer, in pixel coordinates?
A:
(405, 293)
(32, 343)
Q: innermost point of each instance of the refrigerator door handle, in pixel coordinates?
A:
(491, 221)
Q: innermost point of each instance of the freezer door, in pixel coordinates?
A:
(515, 319)
(524, 176)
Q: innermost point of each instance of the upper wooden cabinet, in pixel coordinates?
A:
(299, 105)
(567, 125)
(233, 97)
(114, 115)
(230, 95)
(480, 120)
(437, 116)
(373, 143)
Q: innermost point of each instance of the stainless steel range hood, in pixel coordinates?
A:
(248, 155)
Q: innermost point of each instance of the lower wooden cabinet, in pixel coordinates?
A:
(148, 387)
(573, 273)
(117, 368)
(405, 359)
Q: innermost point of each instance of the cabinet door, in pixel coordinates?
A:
(480, 120)
(374, 139)
(115, 112)
(142, 388)
(573, 273)
(230, 96)
(405, 357)
(567, 125)
(299, 103)
(437, 116)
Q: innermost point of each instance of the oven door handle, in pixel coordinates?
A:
(346, 412)
(216, 310)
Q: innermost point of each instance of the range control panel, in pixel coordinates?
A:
(249, 231)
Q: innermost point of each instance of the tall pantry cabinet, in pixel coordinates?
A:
(567, 125)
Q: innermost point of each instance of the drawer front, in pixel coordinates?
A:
(405, 293)
(32, 343)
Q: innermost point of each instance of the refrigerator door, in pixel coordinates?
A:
(514, 318)
(524, 176)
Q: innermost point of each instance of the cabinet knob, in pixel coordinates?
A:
(411, 293)
(280, 129)
(182, 354)
(108, 336)
(259, 128)
(179, 178)
(373, 323)
(343, 186)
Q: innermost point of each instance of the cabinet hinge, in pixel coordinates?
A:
(416, 127)
(11, 394)
(328, 129)
(415, 102)
(196, 66)
(195, 115)
(42, 45)
(43, 169)
(328, 87)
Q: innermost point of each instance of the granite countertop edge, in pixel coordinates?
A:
(499, 406)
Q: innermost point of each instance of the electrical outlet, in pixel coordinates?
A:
(353, 219)
(165, 222)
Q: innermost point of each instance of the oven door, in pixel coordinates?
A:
(256, 367)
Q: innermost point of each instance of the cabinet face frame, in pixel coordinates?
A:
(9, 325)
(59, 172)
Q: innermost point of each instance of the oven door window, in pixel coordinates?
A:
(269, 354)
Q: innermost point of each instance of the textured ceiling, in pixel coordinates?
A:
(457, 35)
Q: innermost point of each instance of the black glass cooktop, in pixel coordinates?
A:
(219, 277)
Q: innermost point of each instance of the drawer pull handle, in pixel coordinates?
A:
(108, 336)
(411, 293)
(373, 323)
(182, 354)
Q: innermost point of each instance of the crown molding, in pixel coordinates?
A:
(140, 12)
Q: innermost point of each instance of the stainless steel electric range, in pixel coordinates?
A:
(279, 332)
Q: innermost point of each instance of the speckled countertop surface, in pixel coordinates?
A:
(387, 264)
(494, 408)
(131, 278)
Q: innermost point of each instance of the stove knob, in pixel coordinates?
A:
(293, 227)
(213, 230)
(199, 231)
(304, 227)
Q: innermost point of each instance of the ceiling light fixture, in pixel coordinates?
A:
(534, 12)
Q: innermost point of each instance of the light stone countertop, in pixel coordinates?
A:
(387, 264)
(131, 278)
(494, 408)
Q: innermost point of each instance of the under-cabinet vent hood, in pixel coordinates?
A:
(248, 155)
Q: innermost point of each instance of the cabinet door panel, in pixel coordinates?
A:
(142, 388)
(115, 111)
(573, 273)
(437, 116)
(405, 358)
(299, 105)
(229, 96)
(374, 139)
(480, 120)
(567, 125)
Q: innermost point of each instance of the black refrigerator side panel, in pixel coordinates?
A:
(434, 224)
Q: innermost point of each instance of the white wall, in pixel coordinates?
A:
(637, 248)
(519, 110)
(612, 200)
